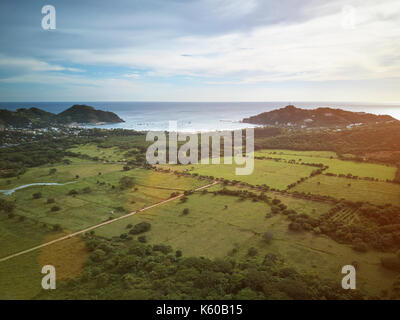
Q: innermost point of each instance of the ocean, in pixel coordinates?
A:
(195, 116)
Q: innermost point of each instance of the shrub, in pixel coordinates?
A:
(140, 228)
(86, 190)
(162, 248)
(6, 206)
(126, 182)
(50, 200)
(120, 209)
(267, 237)
(55, 208)
(185, 211)
(142, 239)
(294, 226)
(360, 246)
(37, 195)
(72, 192)
(252, 252)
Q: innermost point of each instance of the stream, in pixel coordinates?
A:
(11, 191)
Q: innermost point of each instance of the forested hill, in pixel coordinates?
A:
(321, 117)
(87, 114)
(36, 118)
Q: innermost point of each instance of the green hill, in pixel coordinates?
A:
(321, 117)
(87, 114)
(37, 118)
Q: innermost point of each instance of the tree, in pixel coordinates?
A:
(6, 206)
(140, 228)
(37, 195)
(185, 211)
(55, 208)
(126, 182)
(102, 280)
(178, 253)
(72, 192)
(252, 252)
(360, 246)
(267, 237)
(86, 190)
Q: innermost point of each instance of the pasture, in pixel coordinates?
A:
(212, 230)
(97, 197)
(113, 154)
(379, 193)
(336, 166)
(274, 174)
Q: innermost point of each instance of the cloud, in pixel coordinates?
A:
(232, 8)
(214, 45)
(31, 64)
(319, 49)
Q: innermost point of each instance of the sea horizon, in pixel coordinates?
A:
(196, 116)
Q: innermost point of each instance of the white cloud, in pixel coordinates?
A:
(319, 49)
(30, 64)
(264, 61)
(232, 8)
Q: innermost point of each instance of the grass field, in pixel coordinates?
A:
(212, 231)
(16, 235)
(21, 277)
(86, 209)
(216, 226)
(359, 190)
(312, 208)
(336, 166)
(274, 174)
(113, 154)
(65, 173)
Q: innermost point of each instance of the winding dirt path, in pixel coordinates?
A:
(100, 224)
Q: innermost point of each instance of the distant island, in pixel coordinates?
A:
(37, 118)
(291, 116)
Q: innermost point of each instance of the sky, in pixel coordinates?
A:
(201, 50)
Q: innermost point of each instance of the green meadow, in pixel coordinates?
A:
(221, 226)
(312, 208)
(213, 226)
(375, 192)
(98, 196)
(336, 166)
(113, 154)
(274, 174)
